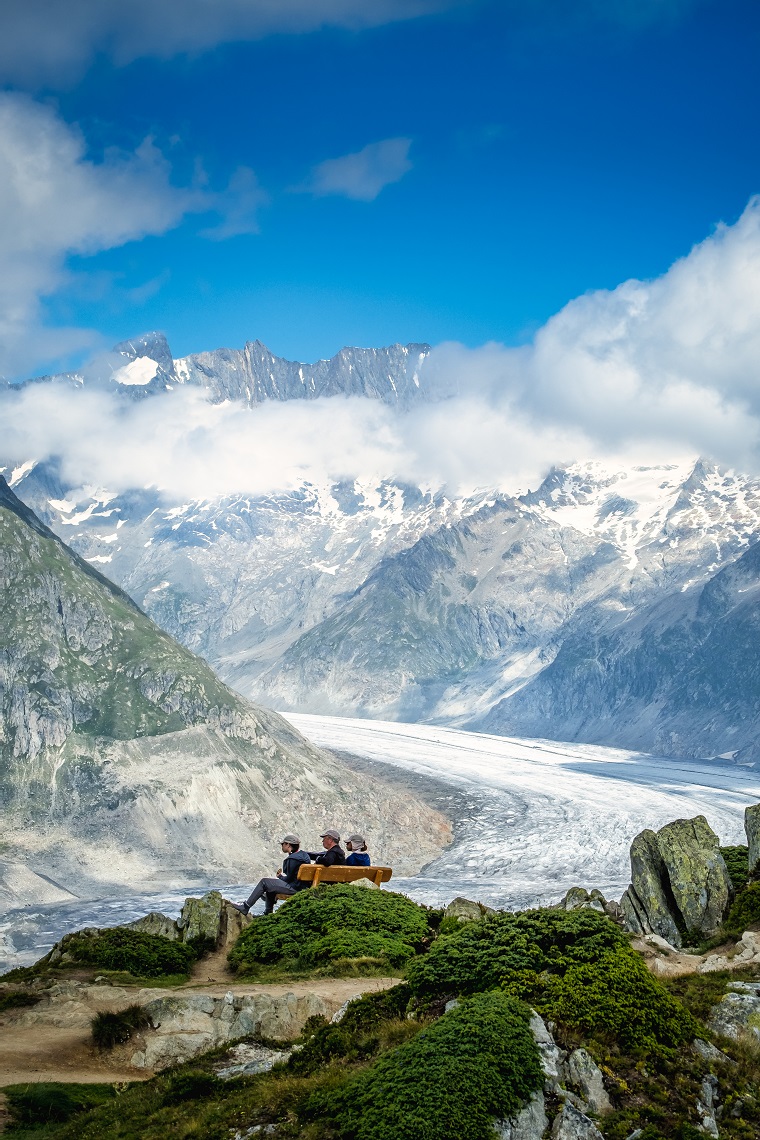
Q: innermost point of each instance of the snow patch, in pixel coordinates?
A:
(137, 372)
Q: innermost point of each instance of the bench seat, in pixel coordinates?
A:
(315, 874)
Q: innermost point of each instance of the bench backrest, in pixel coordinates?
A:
(315, 873)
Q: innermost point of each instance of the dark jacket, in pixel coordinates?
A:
(358, 859)
(290, 867)
(335, 857)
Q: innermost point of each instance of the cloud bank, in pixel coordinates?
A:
(648, 372)
(45, 41)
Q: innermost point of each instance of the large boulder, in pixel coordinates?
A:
(698, 876)
(156, 923)
(466, 910)
(571, 1124)
(530, 1123)
(752, 828)
(737, 1015)
(680, 882)
(202, 918)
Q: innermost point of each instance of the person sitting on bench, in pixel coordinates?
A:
(285, 882)
(357, 852)
(333, 854)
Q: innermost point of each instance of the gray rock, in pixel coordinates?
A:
(466, 910)
(530, 1123)
(585, 1074)
(570, 1124)
(752, 828)
(707, 1104)
(247, 1060)
(697, 873)
(708, 1052)
(155, 923)
(679, 881)
(551, 1055)
(202, 918)
(736, 1015)
(578, 898)
(648, 883)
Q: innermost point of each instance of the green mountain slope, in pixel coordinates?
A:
(124, 761)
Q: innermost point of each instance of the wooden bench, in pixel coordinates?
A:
(315, 874)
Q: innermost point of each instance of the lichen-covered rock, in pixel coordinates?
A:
(202, 918)
(586, 1075)
(530, 1123)
(578, 898)
(551, 1054)
(698, 876)
(648, 879)
(156, 923)
(570, 1124)
(680, 882)
(752, 828)
(745, 953)
(737, 1015)
(232, 923)
(466, 910)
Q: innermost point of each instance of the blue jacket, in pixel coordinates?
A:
(358, 859)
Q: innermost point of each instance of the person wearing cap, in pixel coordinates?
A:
(285, 882)
(333, 854)
(357, 852)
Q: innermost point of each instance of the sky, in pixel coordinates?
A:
(315, 173)
(560, 197)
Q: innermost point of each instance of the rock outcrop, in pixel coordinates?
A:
(680, 883)
(752, 828)
(466, 910)
(737, 1015)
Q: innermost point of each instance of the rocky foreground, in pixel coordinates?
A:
(577, 1022)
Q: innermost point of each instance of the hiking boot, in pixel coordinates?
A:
(242, 907)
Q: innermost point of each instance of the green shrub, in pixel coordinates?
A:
(617, 997)
(109, 1029)
(47, 1103)
(319, 927)
(512, 948)
(356, 1036)
(475, 1063)
(17, 999)
(142, 955)
(737, 863)
(745, 910)
(190, 1085)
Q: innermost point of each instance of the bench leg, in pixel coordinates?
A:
(317, 877)
(378, 878)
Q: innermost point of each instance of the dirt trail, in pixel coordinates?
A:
(52, 1053)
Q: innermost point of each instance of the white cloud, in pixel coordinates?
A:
(648, 372)
(364, 174)
(46, 41)
(55, 202)
(238, 206)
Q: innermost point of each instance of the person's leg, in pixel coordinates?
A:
(280, 889)
(271, 886)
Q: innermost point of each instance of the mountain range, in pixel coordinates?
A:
(126, 765)
(612, 605)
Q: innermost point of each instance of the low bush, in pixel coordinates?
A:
(476, 1063)
(512, 948)
(617, 997)
(737, 863)
(357, 1036)
(190, 1084)
(322, 927)
(48, 1103)
(109, 1029)
(16, 999)
(744, 912)
(139, 954)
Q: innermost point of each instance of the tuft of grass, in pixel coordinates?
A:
(49, 1103)
(109, 1029)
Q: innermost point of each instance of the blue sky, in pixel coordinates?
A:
(531, 156)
